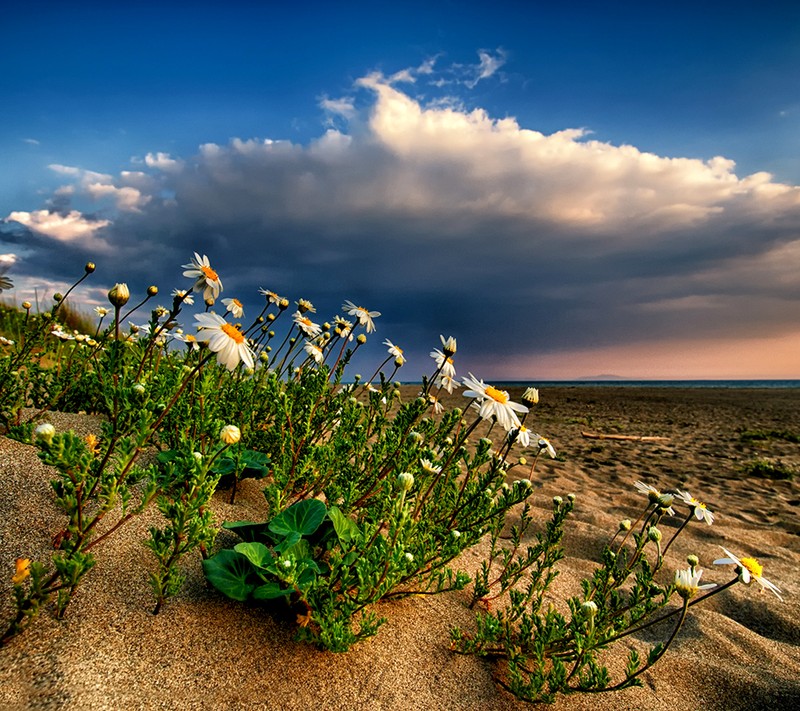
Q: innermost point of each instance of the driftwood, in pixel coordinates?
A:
(633, 438)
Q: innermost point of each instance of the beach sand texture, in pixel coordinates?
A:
(739, 651)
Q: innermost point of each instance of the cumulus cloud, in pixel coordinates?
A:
(448, 219)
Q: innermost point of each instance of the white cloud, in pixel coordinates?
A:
(163, 161)
(489, 65)
(31, 141)
(65, 228)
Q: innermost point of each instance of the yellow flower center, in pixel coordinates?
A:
(450, 360)
(753, 566)
(237, 303)
(497, 395)
(232, 332)
(209, 273)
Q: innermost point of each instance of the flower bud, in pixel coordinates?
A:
(625, 524)
(152, 290)
(118, 295)
(449, 346)
(664, 501)
(523, 461)
(230, 434)
(455, 533)
(409, 557)
(405, 480)
(557, 501)
(654, 534)
(139, 389)
(198, 456)
(26, 305)
(361, 339)
(90, 267)
(45, 433)
(589, 608)
(57, 296)
(571, 497)
(693, 560)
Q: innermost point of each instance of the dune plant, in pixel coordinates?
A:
(542, 649)
(367, 497)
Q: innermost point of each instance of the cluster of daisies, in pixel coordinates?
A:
(687, 581)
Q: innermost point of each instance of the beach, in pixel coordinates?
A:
(739, 651)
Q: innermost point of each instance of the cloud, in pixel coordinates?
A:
(447, 219)
(489, 65)
(72, 227)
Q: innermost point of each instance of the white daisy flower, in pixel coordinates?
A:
(234, 306)
(227, 341)
(523, 436)
(304, 305)
(101, 311)
(493, 403)
(306, 325)
(364, 317)
(656, 497)
(444, 363)
(447, 382)
(437, 406)
(314, 351)
(188, 339)
(186, 298)
(205, 277)
(749, 569)
(698, 508)
(271, 296)
(395, 351)
(429, 467)
(544, 444)
(449, 345)
(687, 583)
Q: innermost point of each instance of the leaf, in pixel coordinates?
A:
(228, 571)
(249, 530)
(255, 465)
(304, 518)
(346, 529)
(224, 467)
(269, 591)
(257, 553)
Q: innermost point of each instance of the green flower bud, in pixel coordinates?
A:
(625, 524)
(230, 434)
(589, 608)
(654, 534)
(119, 294)
(45, 433)
(405, 480)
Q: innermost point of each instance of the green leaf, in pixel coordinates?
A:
(304, 518)
(257, 553)
(224, 467)
(346, 529)
(228, 571)
(269, 591)
(249, 530)
(256, 464)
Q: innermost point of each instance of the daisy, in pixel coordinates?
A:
(429, 467)
(656, 497)
(306, 325)
(749, 569)
(524, 436)
(544, 444)
(314, 351)
(304, 305)
(493, 402)
(447, 382)
(188, 339)
(449, 345)
(185, 297)
(687, 583)
(5, 282)
(395, 351)
(698, 508)
(437, 406)
(364, 317)
(444, 363)
(205, 277)
(227, 341)
(271, 296)
(101, 311)
(234, 306)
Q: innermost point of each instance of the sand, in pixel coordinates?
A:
(740, 651)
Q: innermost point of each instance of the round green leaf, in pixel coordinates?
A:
(228, 571)
(304, 518)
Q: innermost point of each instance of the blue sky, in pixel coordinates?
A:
(570, 191)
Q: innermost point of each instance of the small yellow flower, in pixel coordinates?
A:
(92, 444)
(23, 566)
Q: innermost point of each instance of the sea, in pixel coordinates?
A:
(624, 383)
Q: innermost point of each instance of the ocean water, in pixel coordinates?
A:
(656, 383)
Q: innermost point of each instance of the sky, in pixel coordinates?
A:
(570, 191)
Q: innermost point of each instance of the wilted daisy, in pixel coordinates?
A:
(437, 406)
(185, 297)
(544, 445)
(447, 382)
(306, 325)
(395, 351)
(314, 351)
(493, 402)
(205, 277)
(687, 582)
(444, 363)
(698, 508)
(234, 306)
(364, 317)
(227, 341)
(749, 569)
